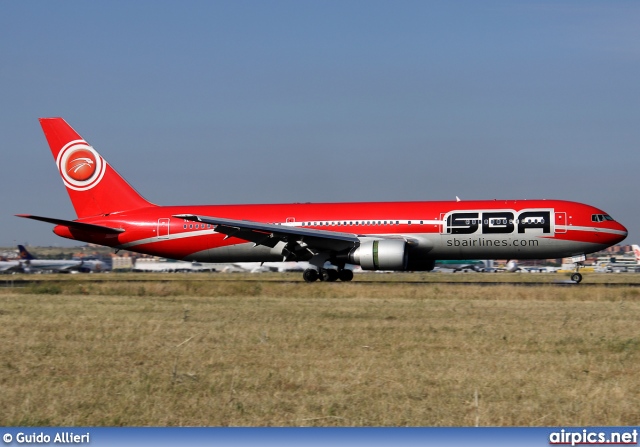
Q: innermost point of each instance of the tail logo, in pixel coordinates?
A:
(80, 166)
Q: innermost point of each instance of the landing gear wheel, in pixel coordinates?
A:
(345, 275)
(329, 275)
(310, 275)
(576, 277)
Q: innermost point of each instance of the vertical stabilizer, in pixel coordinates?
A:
(94, 187)
(24, 254)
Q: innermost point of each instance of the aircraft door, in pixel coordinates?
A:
(443, 228)
(561, 222)
(163, 228)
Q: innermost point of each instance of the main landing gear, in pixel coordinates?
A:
(329, 275)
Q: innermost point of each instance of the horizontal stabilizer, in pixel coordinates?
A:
(73, 224)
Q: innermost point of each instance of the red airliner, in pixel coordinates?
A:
(401, 236)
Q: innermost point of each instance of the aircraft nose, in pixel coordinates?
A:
(621, 232)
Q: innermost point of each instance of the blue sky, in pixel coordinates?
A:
(294, 101)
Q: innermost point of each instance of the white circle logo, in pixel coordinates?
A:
(80, 166)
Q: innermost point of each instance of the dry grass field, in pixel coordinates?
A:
(238, 351)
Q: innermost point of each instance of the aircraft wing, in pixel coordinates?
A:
(270, 234)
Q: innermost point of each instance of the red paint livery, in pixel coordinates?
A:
(384, 236)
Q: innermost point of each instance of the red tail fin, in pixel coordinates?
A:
(95, 188)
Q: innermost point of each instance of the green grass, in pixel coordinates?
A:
(227, 350)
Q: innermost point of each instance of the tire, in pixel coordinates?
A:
(576, 277)
(345, 275)
(329, 275)
(310, 275)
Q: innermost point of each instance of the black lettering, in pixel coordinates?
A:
(462, 223)
(498, 222)
(535, 219)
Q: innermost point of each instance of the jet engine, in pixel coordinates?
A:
(387, 254)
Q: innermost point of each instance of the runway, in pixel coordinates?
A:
(292, 279)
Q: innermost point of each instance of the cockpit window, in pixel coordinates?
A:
(600, 217)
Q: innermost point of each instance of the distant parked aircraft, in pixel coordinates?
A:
(282, 267)
(169, 265)
(461, 266)
(12, 266)
(31, 264)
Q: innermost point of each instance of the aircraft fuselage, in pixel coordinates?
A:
(505, 229)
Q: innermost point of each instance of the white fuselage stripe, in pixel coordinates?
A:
(590, 229)
(173, 236)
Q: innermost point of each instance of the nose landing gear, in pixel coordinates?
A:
(577, 277)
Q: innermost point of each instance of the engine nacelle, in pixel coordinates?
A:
(387, 254)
